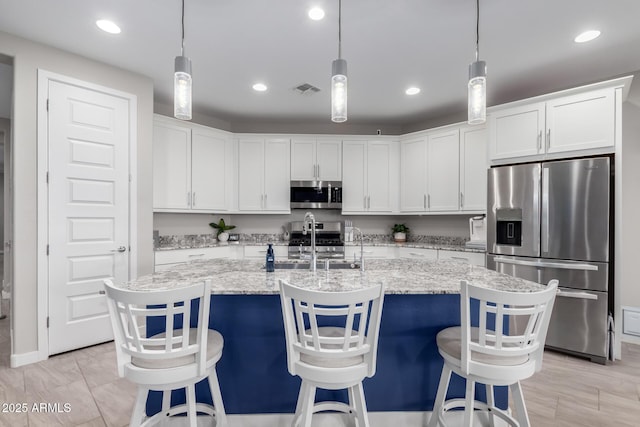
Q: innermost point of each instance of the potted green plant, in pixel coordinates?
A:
(222, 228)
(400, 232)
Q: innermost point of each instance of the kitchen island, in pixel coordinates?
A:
(422, 298)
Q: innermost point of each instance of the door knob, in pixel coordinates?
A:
(120, 249)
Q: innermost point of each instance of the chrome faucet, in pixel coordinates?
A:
(309, 218)
(361, 247)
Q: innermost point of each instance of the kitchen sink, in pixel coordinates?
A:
(320, 265)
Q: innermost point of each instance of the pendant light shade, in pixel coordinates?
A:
(477, 108)
(477, 87)
(339, 91)
(182, 88)
(182, 82)
(339, 79)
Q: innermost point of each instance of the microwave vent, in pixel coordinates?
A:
(306, 89)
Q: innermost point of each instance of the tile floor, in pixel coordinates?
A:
(568, 392)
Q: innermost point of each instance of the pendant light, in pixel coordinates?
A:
(339, 79)
(182, 82)
(477, 108)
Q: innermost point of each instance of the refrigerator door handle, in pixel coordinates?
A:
(545, 210)
(576, 294)
(547, 264)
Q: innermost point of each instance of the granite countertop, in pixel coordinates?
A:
(399, 276)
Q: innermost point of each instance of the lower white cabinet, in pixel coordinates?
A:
(474, 258)
(165, 260)
(370, 252)
(260, 252)
(416, 253)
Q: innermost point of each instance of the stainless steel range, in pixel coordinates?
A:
(329, 240)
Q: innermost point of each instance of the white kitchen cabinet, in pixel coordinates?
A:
(263, 175)
(165, 260)
(429, 173)
(369, 176)
(443, 175)
(566, 124)
(370, 252)
(416, 253)
(473, 168)
(316, 159)
(260, 252)
(473, 258)
(192, 168)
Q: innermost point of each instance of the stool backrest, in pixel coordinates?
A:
(495, 308)
(306, 311)
(129, 311)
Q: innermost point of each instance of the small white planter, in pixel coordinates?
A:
(223, 237)
(400, 237)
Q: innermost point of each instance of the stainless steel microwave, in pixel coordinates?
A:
(316, 195)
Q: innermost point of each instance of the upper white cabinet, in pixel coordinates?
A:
(473, 168)
(431, 172)
(316, 159)
(192, 168)
(577, 122)
(263, 175)
(369, 176)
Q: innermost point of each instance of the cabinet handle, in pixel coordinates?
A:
(539, 141)
(193, 197)
(318, 166)
(548, 139)
(265, 201)
(188, 198)
(461, 200)
(365, 202)
(369, 202)
(429, 201)
(424, 201)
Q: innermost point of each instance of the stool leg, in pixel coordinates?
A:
(166, 401)
(361, 405)
(138, 409)
(307, 405)
(490, 402)
(468, 405)
(191, 405)
(302, 396)
(216, 395)
(445, 376)
(521, 409)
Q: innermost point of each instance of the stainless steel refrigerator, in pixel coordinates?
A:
(553, 220)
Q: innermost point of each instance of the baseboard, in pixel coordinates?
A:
(24, 359)
(631, 339)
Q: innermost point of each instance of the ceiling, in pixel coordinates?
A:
(389, 45)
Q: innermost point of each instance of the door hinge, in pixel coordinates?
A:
(47, 321)
(47, 249)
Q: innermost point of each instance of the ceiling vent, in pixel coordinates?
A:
(306, 89)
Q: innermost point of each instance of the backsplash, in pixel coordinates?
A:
(206, 240)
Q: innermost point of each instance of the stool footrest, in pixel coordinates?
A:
(177, 410)
(479, 405)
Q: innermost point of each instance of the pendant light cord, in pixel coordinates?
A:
(477, 29)
(339, 29)
(182, 47)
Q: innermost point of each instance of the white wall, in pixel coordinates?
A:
(28, 58)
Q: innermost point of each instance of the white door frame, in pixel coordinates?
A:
(44, 77)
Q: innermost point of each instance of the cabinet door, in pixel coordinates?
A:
(582, 121)
(516, 132)
(473, 258)
(417, 253)
(353, 176)
(210, 158)
(473, 169)
(329, 160)
(171, 166)
(413, 176)
(276, 175)
(379, 176)
(250, 174)
(303, 159)
(443, 176)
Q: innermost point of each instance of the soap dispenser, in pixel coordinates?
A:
(271, 259)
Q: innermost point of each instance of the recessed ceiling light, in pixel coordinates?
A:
(586, 36)
(412, 91)
(108, 26)
(316, 13)
(260, 87)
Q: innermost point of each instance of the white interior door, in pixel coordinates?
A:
(88, 199)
